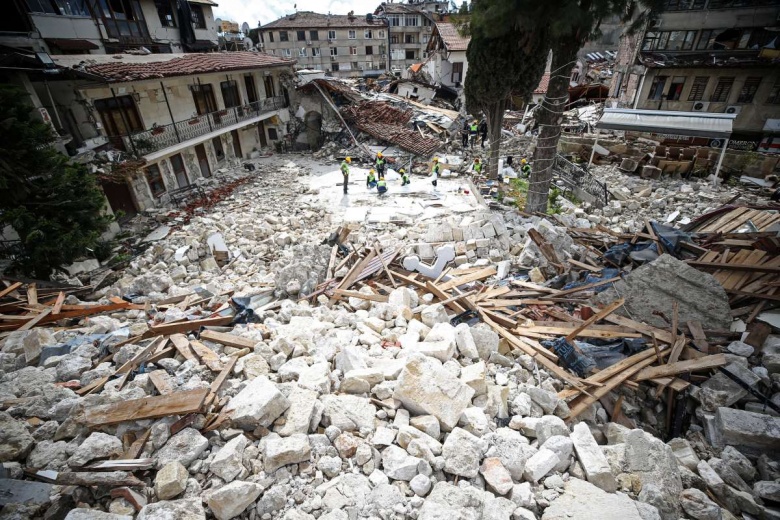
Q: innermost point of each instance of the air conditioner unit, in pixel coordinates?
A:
(308, 42)
(361, 67)
(701, 106)
(261, 45)
(330, 40)
(733, 109)
(332, 58)
(428, 28)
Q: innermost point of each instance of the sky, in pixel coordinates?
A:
(264, 11)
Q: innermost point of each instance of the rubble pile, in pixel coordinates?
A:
(261, 361)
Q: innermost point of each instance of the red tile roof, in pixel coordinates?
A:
(543, 84)
(155, 66)
(304, 20)
(387, 123)
(451, 37)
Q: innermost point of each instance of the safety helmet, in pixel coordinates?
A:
(371, 171)
(348, 159)
(435, 159)
(476, 159)
(379, 154)
(475, 121)
(401, 171)
(523, 161)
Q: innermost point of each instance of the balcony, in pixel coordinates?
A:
(160, 137)
(703, 58)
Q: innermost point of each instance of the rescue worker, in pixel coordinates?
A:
(483, 132)
(345, 171)
(404, 177)
(435, 171)
(380, 165)
(381, 186)
(525, 168)
(473, 129)
(477, 167)
(370, 180)
(464, 134)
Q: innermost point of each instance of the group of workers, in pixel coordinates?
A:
(376, 175)
(470, 132)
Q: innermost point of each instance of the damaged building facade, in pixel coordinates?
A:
(447, 64)
(181, 116)
(100, 27)
(708, 56)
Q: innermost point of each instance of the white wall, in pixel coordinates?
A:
(72, 27)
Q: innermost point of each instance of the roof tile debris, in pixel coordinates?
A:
(383, 121)
(307, 19)
(452, 38)
(185, 65)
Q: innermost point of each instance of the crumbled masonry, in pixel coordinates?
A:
(266, 355)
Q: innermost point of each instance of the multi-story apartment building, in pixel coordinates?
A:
(101, 26)
(345, 45)
(708, 56)
(447, 64)
(183, 115)
(410, 25)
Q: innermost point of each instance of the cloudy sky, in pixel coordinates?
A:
(254, 11)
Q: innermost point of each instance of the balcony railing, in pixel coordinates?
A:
(159, 137)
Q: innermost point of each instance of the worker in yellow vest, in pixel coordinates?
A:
(345, 171)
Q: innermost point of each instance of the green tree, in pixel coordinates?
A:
(503, 58)
(55, 207)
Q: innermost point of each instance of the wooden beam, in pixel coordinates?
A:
(11, 288)
(754, 268)
(384, 266)
(691, 365)
(207, 356)
(229, 340)
(603, 313)
(360, 295)
(471, 277)
(32, 294)
(188, 326)
(642, 328)
(699, 338)
(442, 296)
(137, 447)
(33, 322)
(146, 408)
(182, 344)
(161, 381)
(581, 288)
(58, 304)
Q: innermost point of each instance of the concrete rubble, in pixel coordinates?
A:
(278, 393)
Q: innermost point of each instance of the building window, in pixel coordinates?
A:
(722, 90)
(425, 38)
(61, 7)
(272, 135)
(287, 53)
(409, 38)
(411, 21)
(698, 88)
(353, 51)
(749, 89)
(411, 54)
(331, 35)
(268, 83)
(203, 96)
(669, 41)
(283, 36)
(369, 50)
(198, 19)
(393, 38)
(230, 93)
(381, 34)
(676, 88)
(179, 171)
(302, 52)
(165, 12)
(251, 90)
(369, 65)
(729, 39)
(334, 67)
(123, 18)
(270, 37)
(355, 65)
(154, 180)
(216, 142)
(301, 36)
(315, 51)
(457, 72)
(657, 88)
(334, 51)
(368, 34)
(395, 20)
(314, 35)
(351, 35)
(774, 94)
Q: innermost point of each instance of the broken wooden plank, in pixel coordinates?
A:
(161, 381)
(757, 335)
(207, 356)
(32, 294)
(187, 326)
(384, 266)
(11, 288)
(699, 338)
(146, 408)
(219, 381)
(603, 313)
(691, 365)
(137, 446)
(442, 296)
(581, 288)
(642, 328)
(361, 296)
(229, 340)
(122, 465)
(182, 344)
(546, 249)
(137, 500)
(33, 322)
(471, 277)
(94, 478)
(58, 304)
(755, 268)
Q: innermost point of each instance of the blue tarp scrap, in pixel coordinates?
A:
(599, 354)
(605, 274)
(569, 357)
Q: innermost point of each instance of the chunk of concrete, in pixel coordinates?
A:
(448, 502)
(540, 465)
(584, 501)
(750, 432)
(424, 387)
(260, 403)
(650, 289)
(592, 459)
(171, 480)
(232, 499)
(280, 451)
(462, 453)
(227, 463)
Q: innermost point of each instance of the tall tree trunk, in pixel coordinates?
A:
(549, 116)
(494, 116)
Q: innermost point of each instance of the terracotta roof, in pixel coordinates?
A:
(387, 123)
(416, 67)
(453, 41)
(543, 84)
(125, 67)
(308, 19)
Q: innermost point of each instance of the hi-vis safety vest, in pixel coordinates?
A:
(344, 168)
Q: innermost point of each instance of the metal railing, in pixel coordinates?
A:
(575, 176)
(163, 136)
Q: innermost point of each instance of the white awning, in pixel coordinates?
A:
(697, 124)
